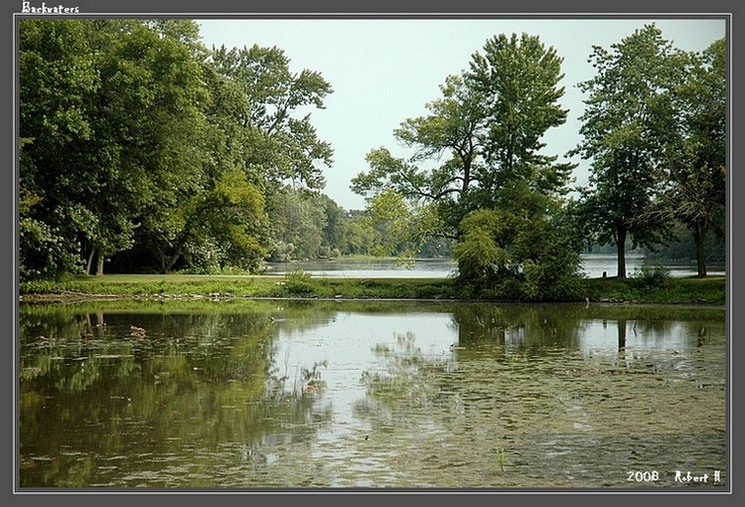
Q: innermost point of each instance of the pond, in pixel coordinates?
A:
(340, 394)
(593, 266)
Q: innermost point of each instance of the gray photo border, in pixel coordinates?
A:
(233, 8)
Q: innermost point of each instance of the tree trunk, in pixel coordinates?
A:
(89, 264)
(621, 250)
(167, 266)
(99, 269)
(699, 234)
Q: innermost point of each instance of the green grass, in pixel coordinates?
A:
(292, 285)
(710, 290)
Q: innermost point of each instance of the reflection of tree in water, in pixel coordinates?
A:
(510, 336)
(526, 327)
(507, 334)
(407, 385)
(204, 385)
(194, 381)
(520, 402)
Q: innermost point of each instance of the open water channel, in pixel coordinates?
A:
(593, 266)
(343, 394)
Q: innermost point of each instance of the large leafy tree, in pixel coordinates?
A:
(480, 162)
(451, 136)
(518, 79)
(111, 111)
(218, 218)
(484, 133)
(628, 130)
(282, 142)
(152, 105)
(263, 126)
(696, 194)
(57, 78)
(141, 146)
(520, 217)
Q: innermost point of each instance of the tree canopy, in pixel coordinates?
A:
(653, 133)
(142, 148)
(140, 145)
(489, 181)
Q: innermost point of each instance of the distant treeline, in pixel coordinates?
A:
(679, 247)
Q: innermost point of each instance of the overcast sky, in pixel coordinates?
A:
(384, 71)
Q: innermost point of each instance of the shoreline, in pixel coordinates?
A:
(698, 291)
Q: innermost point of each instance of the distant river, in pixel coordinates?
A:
(593, 265)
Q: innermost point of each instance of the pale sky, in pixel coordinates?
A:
(385, 71)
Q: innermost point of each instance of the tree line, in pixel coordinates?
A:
(142, 148)
(653, 138)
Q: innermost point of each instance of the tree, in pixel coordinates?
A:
(487, 128)
(697, 192)
(454, 130)
(152, 115)
(496, 180)
(57, 78)
(282, 146)
(142, 147)
(628, 127)
(297, 220)
(400, 227)
(518, 79)
(123, 142)
(523, 252)
(44, 252)
(334, 230)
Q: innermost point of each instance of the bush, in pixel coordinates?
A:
(298, 283)
(656, 276)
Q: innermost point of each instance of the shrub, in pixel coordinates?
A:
(648, 276)
(298, 283)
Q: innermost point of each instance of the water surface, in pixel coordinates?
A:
(593, 266)
(260, 394)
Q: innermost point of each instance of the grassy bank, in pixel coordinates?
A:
(710, 290)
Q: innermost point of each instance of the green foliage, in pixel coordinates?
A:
(297, 220)
(298, 283)
(479, 254)
(682, 247)
(400, 228)
(284, 146)
(697, 193)
(628, 126)
(124, 102)
(656, 276)
(519, 254)
(141, 147)
(654, 129)
(491, 187)
(518, 79)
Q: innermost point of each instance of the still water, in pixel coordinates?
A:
(593, 266)
(287, 394)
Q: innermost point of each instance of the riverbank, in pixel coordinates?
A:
(711, 290)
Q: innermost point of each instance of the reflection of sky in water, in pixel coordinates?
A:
(355, 343)
(352, 344)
